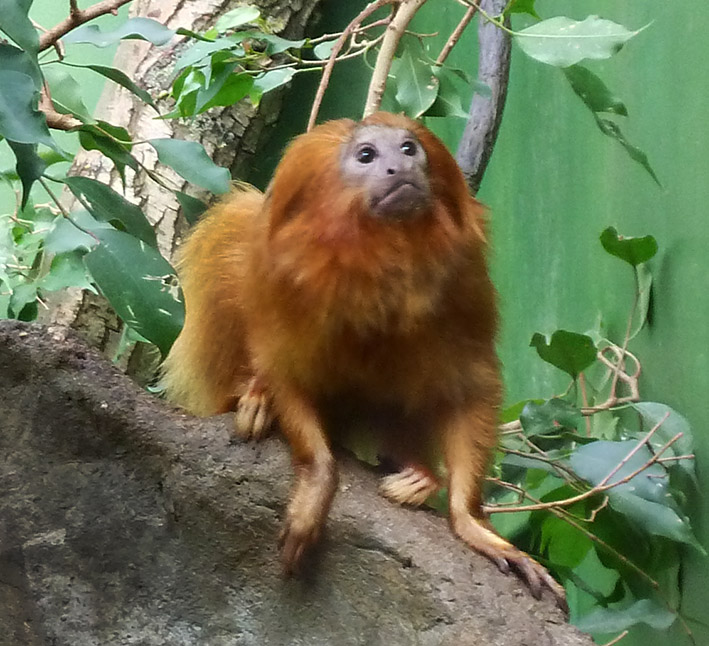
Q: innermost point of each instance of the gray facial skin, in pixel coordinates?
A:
(390, 164)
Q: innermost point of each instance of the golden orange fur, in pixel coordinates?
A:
(335, 310)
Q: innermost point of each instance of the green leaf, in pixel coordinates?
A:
(20, 120)
(30, 167)
(274, 44)
(237, 17)
(67, 270)
(227, 88)
(66, 93)
(521, 6)
(561, 41)
(189, 160)
(634, 251)
(23, 302)
(324, 49)
(564, 544)
(511, 413)
(416, 86)
(616, 618)
(64, 237)
(645, 499)
(611, 129)
(12, 58)
(652, 414)
(448, 101)
(131, 29)
(108, 139)
(199, 51)
(549, 417)
(644, 287)
(107, 205)
(192, 208)
(140, 285)
(122, 79)
(593, 91)
(269, 81)
(17, 25)
(568, 351)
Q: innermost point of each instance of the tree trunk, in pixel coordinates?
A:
(230, 135)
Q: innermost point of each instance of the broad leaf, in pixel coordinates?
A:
(107, 205)
(66, 93)
(634, 251)
(140, 285)
(416, 86)
(237, 17)
(616, 618)
(110, 140)
(568, 351)
(324, 49)
(20, 120)
(549, 417)
(593, 91)
(132, 29)
(227, 88)
(192, 208)
(196, 54)
(189, 160)
(30, 167)
(521, 6)
(269, 81)
(122, 79)
(652, 414)
(612, 129)
(644, 287)
(65, 237)
(12, 58)
(273, 44)
(67, 270)
(448, 102)
(17, 25)
(645, 499)
(561, 41)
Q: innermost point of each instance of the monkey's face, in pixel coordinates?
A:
(389, 165)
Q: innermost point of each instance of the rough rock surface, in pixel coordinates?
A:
(125, 522)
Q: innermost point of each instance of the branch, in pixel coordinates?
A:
(480, 134)
(327, 71)
(394, 32)
(55, 120)
(605, 484)
(78, 17)
(455, 36)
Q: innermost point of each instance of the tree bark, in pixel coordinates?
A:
(230, 135)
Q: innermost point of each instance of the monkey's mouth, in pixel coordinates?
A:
(399, 198)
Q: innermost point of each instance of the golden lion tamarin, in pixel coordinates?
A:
(357, 283)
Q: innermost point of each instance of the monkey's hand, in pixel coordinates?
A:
(412, 485)
(253, 416)
(505, 555)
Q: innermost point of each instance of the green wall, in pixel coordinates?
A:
(555, 182)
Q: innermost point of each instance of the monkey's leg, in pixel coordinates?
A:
(412, 485)
(253, 415)
(468, 439)
(315, 473)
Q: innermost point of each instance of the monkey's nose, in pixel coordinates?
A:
(391, 171)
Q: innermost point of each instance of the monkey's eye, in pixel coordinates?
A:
(366, 154)
(408, 148)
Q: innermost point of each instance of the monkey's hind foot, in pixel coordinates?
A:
(410, 486)
(253, 416)
(505, 555)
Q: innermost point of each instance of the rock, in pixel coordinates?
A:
(126, 522)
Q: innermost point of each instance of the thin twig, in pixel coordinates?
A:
(615, 640)
(455, 36)
(605, 484)
(404, 14)
(339, 44)
(78, 17)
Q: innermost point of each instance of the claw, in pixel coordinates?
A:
(506, 555)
